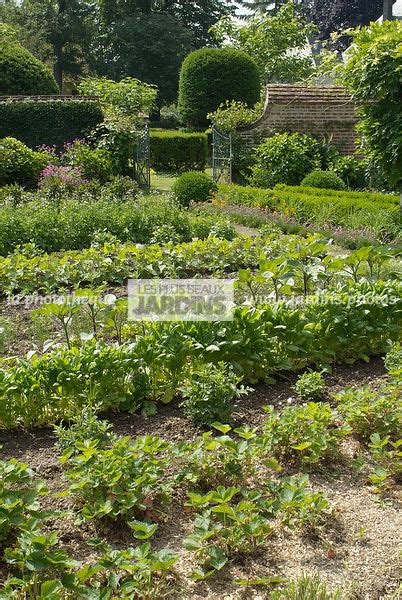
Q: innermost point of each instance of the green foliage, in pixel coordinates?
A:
(352, 171)
(225, 528)
(372, 74)
(78, 220)
(285, 158)
(307, 433)
(95, 163)
(310, 385)
(19, 164)
(21, 72)
(120, 481)
(126, 98)
(306, 587)
(193, 186)
(211, 76)
(19, 497)
(276, 43)
(393, 359)
(371, 411)
(233, 114)
(323, 179)
(388, 455)
(208, 390)
(375, 214)
(177, 151)
(50, 122)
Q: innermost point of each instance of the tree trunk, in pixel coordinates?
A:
(387, 10)
(58, 69)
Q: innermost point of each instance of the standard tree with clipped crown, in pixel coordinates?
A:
(209, 77)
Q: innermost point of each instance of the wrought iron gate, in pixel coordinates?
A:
(142, 160)
(221, 156)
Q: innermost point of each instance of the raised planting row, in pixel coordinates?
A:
(159, 360)
(375, 213)
(226, 489)
(29, 271)
(73, 222)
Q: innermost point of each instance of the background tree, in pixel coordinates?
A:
(276, 42)
(56, 31)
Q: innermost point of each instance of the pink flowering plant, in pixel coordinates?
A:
(55, 177)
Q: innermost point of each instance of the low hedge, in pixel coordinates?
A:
(177, 151)
(49, 122)
(377, 213)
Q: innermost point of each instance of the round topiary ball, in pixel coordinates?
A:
(209, 77)
(323, 179)
(193, 186)
(23, 74)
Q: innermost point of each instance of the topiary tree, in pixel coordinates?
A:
(193, 186)
(209, 77)
(20, 71)
(328, 180)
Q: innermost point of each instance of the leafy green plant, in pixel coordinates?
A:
(307, 433)
(323, 179)
(370, 411)
(310, 385)
(193, 186)
(225, 528)
(208, 390)
(393, 359)
(296, 505)
(19, 497)
(124, 480)
(389, 456)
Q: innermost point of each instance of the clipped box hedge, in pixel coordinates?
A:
(378, 213)
(177, 151)
(50, 122)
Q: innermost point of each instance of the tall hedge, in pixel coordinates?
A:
(211, 76)
(50, 122)
(23, 74)
(177, 151)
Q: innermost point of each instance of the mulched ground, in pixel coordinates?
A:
(358, 550)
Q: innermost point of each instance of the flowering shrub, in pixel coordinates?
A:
(55, 178)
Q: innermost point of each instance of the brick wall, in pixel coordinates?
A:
(320, 111)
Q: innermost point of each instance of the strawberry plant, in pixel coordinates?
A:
(124, 480)
(295, 504)
(231, 521)
(20, 493)
(389, 456)
(370, 411)
(307, 433)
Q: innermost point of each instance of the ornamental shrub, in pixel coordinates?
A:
(324, 179)
(50, 122)
(285, 158)
(19, 164)
(94, 163)
(209, 77)
(177, 151)
(193, 186)
(352, 171)
(22, 73)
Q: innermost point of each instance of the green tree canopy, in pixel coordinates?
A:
(276, 42)
(373, 74)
